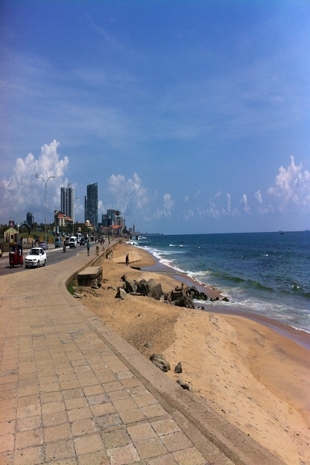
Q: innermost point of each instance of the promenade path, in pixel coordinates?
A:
(75, 393)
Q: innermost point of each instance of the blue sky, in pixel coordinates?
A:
(192, 116)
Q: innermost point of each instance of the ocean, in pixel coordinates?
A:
(266, 274)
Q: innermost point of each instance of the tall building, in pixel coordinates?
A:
(91, 204)
(67, 201)
(30, 219)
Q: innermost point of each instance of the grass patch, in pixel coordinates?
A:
(71, 288)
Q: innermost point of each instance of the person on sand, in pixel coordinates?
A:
(88, 246)
(127, 259)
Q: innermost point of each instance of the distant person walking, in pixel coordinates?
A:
(88, 246)
(127, 259)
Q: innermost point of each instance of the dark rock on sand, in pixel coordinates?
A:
(184, 301)
(160, 361)
(184, 385)
(178, 368)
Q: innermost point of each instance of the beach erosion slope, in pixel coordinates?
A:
(255, 377)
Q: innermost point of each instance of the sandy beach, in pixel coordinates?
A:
(255, 377)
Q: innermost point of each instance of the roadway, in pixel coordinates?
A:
(54, 255)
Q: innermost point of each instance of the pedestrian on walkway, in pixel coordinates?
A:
(127, 259)
(88, 246)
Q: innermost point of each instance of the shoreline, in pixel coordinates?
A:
(256, 378)
(299, 336)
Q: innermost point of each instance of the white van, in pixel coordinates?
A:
(73, 242)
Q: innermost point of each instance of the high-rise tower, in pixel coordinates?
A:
(67, 199)
(91, 204)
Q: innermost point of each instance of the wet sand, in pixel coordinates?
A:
(248, 372)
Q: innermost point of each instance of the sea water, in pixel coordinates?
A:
(267, 274)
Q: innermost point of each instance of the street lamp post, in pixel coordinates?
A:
(45, 182)
(74, 213)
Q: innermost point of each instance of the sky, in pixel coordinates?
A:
(192, 116)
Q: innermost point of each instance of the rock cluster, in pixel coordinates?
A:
(180, 296)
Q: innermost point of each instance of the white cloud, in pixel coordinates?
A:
(129, 194)
(189, 215)
(244, 202)
(168, 204)
(291, 188)
(23, 192)
(259, 197)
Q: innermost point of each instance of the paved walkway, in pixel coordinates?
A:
(75, 393)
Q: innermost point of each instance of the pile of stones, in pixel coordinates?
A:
(180, 296)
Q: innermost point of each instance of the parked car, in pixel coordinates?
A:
(36, 257)
(44, 245)
(73, 242)
(58, 242)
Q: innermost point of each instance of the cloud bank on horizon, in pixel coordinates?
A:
(23, 192)
(193, 117)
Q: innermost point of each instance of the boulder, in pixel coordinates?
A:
(184, 301)
(160, 361)
(130, 286)
(184, 385)
(143, 287)
(175, 295)
(178, 368)
(121, 293)
(156, 291)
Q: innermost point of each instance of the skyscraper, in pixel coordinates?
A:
(67, 199)
(91, 204)
(30, 219)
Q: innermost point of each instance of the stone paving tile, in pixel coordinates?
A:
(123, 455)
(57, 432)
(132, 416)
(7, 427)
(59, 450)
(154, 410)
(124, 404)
(33, 437)
(52, 419)
(166, 459)
(116, 438)
(88, 444)
(75, 403)
(7, 442)
(93, 390)
(150, 448)
(166, 426)
(176, 441)
(79, 414)
(141, 431)
(81, 427)
(103, 409)
(108, 421)
(94, 458)
(29, 456)
(24, 424)
(189, 456)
